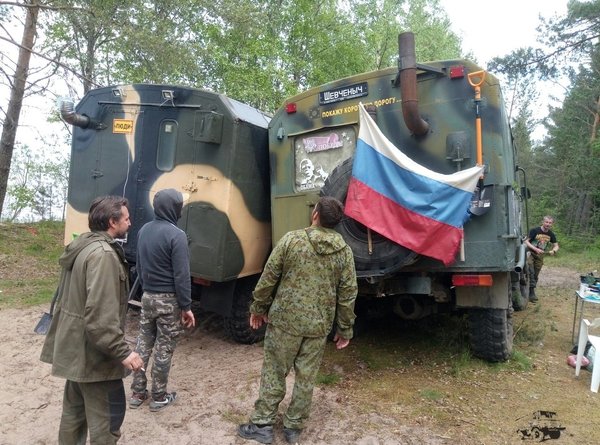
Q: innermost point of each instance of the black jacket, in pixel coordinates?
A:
(163, 259)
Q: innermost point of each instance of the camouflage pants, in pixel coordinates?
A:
(283, 351)
(535, 263)
(160, 327)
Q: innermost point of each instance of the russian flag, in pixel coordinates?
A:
(407, 203)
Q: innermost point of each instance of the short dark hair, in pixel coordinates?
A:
(331, 211)
(103, 209)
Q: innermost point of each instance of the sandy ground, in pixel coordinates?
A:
(216, 381)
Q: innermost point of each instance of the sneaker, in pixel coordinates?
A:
(262, 434)
(157, 405)
(292, 435)
(532, 297)
(137, 399)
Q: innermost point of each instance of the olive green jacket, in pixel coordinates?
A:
(86, 340)
(309, 280)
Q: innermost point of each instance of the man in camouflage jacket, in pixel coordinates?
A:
(309, 280)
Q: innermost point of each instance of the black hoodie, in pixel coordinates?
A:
(163, 260)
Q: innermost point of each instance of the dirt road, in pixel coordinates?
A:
(217, 382)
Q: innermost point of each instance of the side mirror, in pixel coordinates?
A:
(525, 192)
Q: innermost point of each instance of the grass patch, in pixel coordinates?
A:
(234, 417)
(327, 379)
(29, 268)
(24, 293)
(583, 260)
(520, 361)
(431, 394)
(531, 329)
(462, 362)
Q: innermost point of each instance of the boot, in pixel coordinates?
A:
(262, 434)
(292, 435)
(532, 297)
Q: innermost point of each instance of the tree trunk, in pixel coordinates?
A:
(13, 111)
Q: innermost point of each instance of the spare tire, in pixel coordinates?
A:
(385, 256)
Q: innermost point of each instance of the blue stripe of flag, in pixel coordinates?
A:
(420, 194)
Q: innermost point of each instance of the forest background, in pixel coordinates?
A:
(263, 51)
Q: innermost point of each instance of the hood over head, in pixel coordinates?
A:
(325, 241)
(168, 204)
(67, 259)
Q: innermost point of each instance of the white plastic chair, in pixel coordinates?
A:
(584, 337)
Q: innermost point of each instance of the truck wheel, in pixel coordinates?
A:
(519, 290)
(554, 434)
(537, 434)
(491, 333)
(384, 256)
(237, 324)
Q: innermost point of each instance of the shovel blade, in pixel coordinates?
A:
(44, 324)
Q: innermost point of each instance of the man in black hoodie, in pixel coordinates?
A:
(163, 268)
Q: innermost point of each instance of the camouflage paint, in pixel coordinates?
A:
(211, 148)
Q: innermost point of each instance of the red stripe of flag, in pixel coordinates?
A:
(412, 230)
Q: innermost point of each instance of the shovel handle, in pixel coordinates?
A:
(472, 77)
(53, 303)
(476, 80)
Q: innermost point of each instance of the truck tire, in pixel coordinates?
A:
(237, 324)
(385, 256)
(554, 434)
(491, 333)
(537, 434)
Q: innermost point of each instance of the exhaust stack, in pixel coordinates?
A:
(407, 66)
(67, 112)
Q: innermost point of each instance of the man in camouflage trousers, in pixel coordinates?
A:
(309, 280)
(163, 268)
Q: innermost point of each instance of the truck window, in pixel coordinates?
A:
(318, 153)
(167, 142)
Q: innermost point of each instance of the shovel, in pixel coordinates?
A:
(481, 202)
(44, 323)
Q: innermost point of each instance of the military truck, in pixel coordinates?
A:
(542, 426)
(446, 116)
(249, 178)
(133, 140)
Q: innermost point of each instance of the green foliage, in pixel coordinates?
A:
(38, 183)
(256, 51)
(564, 169)
(4, 12)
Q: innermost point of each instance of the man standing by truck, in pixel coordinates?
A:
(86, 341)
(308, 280)
(163, 267)
(541, 241)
